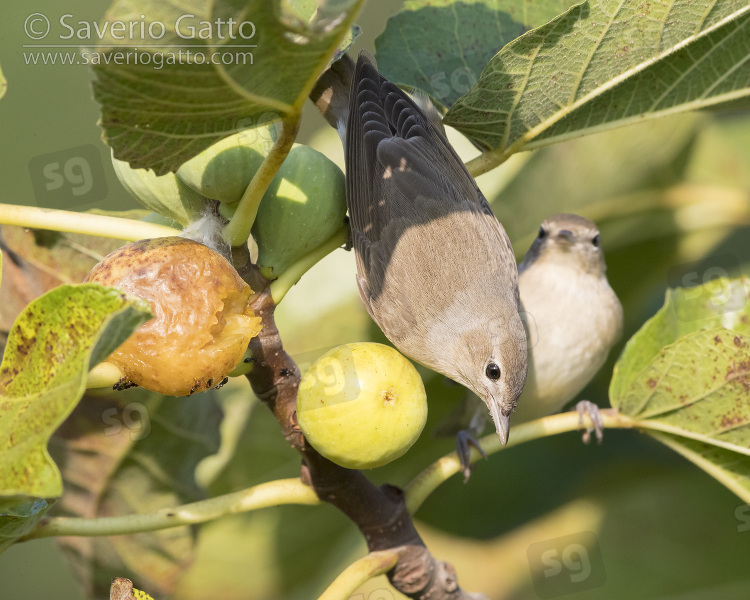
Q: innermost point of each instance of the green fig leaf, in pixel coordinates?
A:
(19, 520)
(697, 387)
(726, 466)
(50, 349)
(166, 195)
(144, 448)
(205, 81)
(604, 64)
(442, 46)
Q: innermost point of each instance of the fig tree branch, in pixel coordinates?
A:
(357, 573)
(380, 513)
(130, 230)
(293, 491)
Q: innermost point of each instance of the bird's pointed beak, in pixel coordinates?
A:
(502, 423)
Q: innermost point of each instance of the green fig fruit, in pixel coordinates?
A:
(227, 210)
(154, 217)
(302, 208)
(165, 194)
(223, 171)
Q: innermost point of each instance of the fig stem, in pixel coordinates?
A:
(280, 286)
(374, 564)
(487, 161)
(430, 478)
(52, 219)
(273, 493)
(237, 231)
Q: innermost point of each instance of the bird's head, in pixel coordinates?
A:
(495, 366)
(569, 241)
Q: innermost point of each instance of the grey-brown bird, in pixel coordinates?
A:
(435, 268)
(573, 315)
(573, 319)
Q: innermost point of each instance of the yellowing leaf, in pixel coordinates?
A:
(50, 349)
(685, 378)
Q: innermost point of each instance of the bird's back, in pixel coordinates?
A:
(422, 231)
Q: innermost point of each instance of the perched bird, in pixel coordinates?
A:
(572, 314)
(435, 268)
(573, 318)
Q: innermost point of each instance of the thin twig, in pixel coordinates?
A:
(274, 493)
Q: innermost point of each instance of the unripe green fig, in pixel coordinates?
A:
(223, 171)
(202, 319)
(227, 210)
(154, 217)
(362, 405)
(165, 195)
(302, 208)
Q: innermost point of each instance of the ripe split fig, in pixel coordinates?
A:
(202, 323)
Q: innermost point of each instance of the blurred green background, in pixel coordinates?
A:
(665, 194)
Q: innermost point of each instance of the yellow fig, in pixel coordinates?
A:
(362, 405)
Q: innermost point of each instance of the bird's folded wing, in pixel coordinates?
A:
(396, 155)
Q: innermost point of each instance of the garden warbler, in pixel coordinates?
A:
(435, 268)
(573, 317)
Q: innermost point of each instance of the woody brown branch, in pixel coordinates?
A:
(379, 512)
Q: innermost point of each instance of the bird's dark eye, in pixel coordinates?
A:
(542, 233)
(492, 371)
(595, 240)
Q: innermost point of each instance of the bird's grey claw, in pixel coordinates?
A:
(586, 407)
(464, 441)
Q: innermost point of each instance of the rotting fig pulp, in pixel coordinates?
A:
(202, 321)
